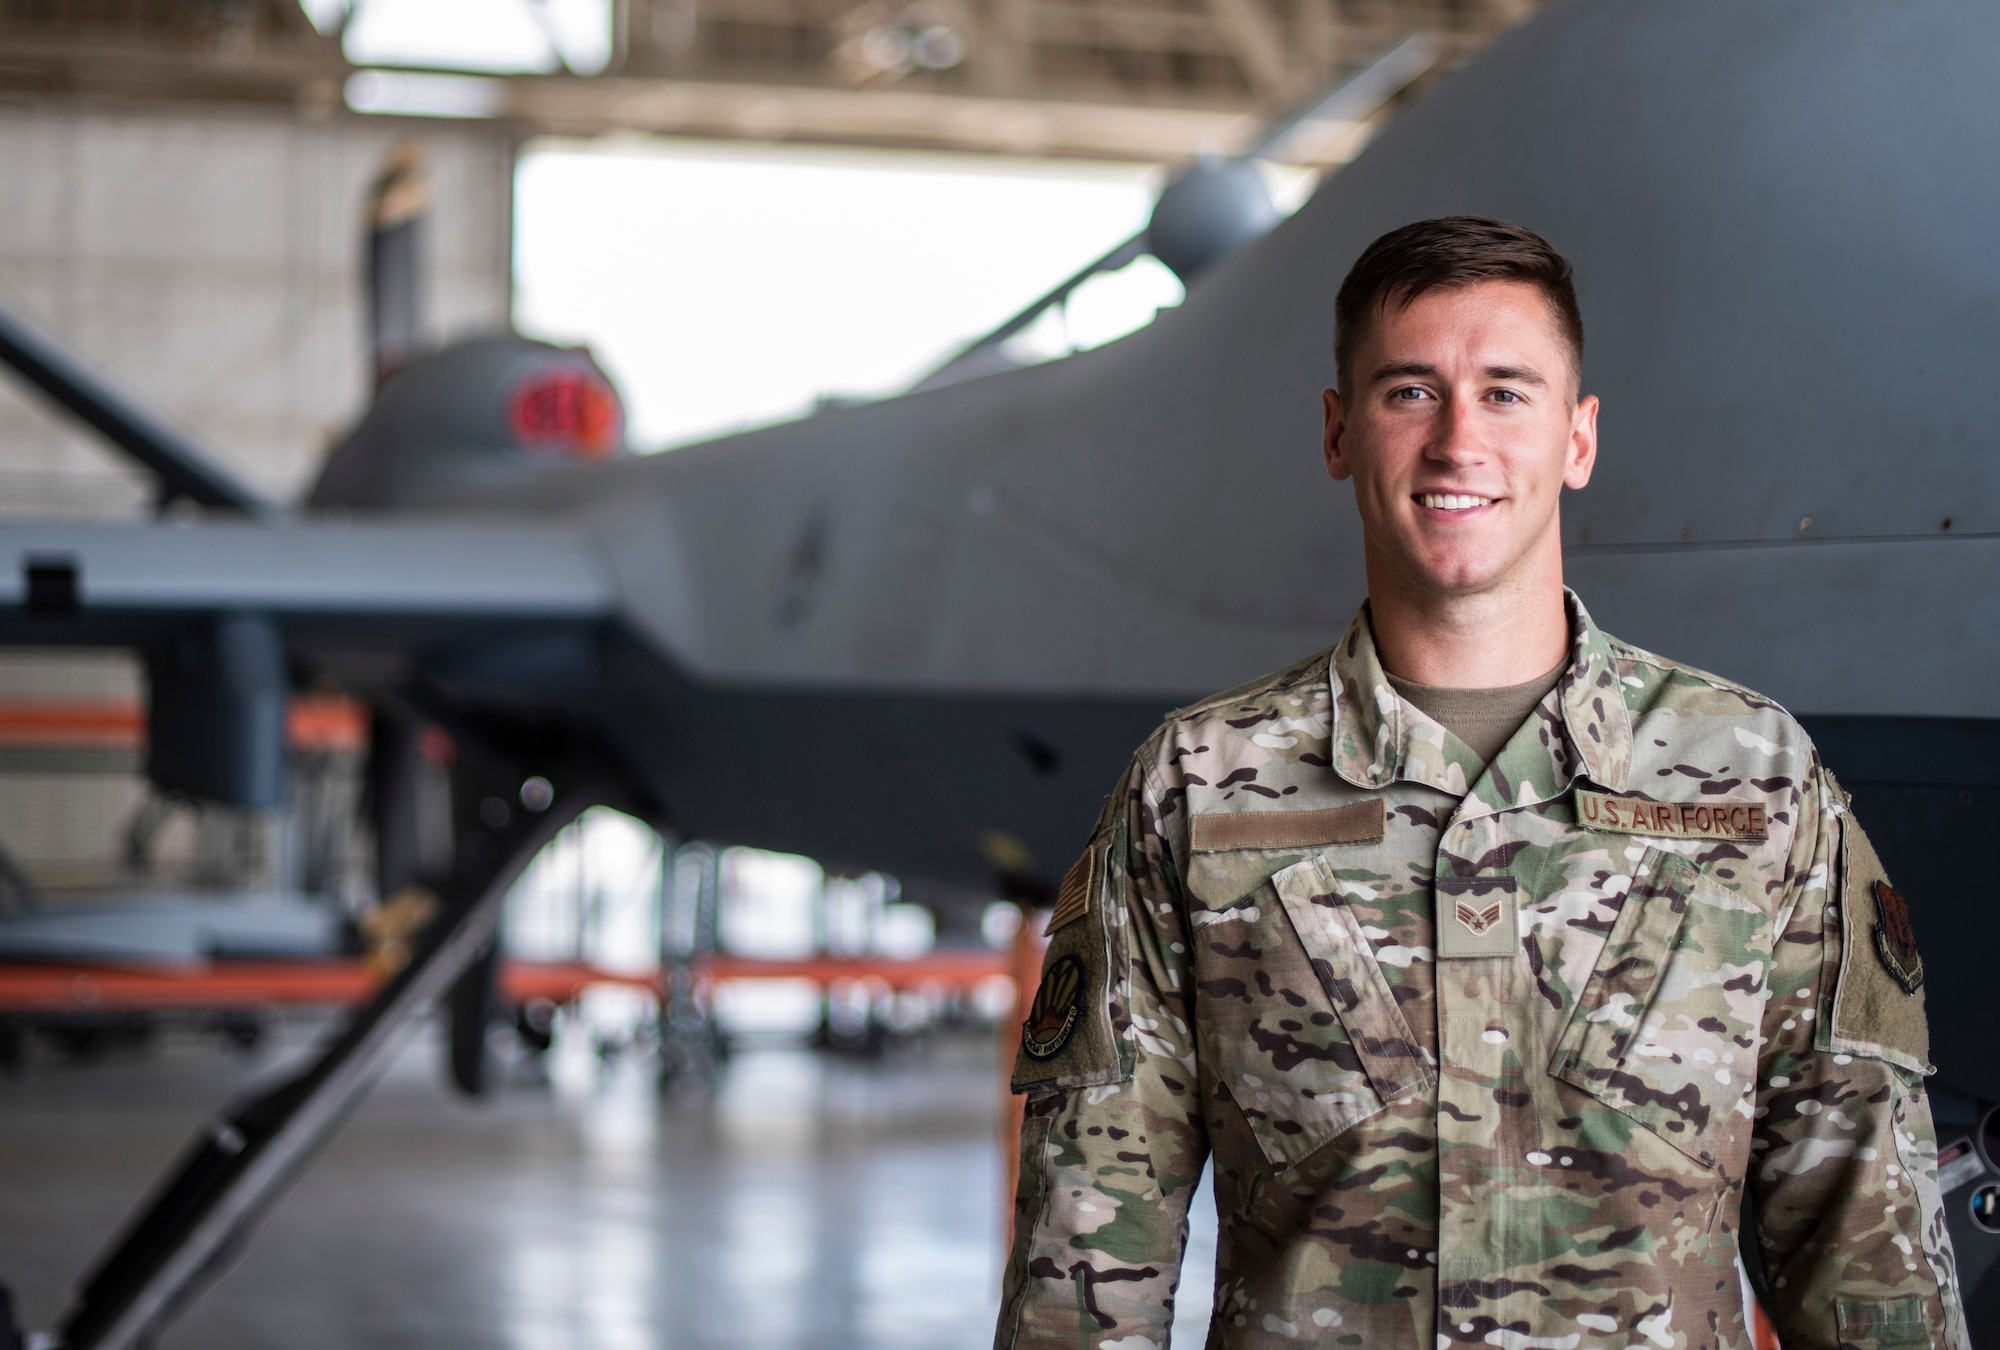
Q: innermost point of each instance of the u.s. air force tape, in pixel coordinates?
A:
(1622, 814)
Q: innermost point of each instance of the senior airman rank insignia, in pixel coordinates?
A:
(1476, 916)
(1477, 921)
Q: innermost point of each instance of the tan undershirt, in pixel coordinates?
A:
(1483, 718)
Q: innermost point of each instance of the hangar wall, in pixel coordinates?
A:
(210, 263)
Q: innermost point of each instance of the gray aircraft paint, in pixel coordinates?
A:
(1792, 307)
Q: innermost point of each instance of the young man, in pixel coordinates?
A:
(1495, 962)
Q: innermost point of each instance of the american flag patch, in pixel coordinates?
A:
(1078, 885)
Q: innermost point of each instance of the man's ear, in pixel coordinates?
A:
(1582, 444)
(1334, 445)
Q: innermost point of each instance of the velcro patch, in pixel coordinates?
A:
(1476, 916)
(1883, 1323)
(1878, 1005)
(1743, 822)
(1079, 884)
(1219, 831)
(1073, 1034)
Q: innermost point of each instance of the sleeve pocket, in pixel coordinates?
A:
(1073, 1035)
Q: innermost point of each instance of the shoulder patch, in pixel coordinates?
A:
(1052, 1016)
(1219, 831)
(1072, 1031)
(1878, 1005)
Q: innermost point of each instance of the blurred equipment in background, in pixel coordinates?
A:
(398, 238)
(881, 44)
(486, 411)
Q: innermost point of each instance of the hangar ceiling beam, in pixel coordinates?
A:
(1149, 80)
(1254, 36)
(899, 117)
(1316, 35)
(1002, 56)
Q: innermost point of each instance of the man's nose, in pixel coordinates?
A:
(1456, 434)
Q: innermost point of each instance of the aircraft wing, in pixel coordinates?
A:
(74, 583)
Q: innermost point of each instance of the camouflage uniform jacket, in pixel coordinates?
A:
(1483, 1055)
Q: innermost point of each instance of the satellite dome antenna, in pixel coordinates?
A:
(1206, 212)
(1214, 206)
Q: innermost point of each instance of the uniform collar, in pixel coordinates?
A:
(1378, 738)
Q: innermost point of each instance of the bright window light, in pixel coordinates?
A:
(403, 93)
(768, 904)
(499, 36)
(729, 286)
(1103, 308)
(591, 894)
(325, 15)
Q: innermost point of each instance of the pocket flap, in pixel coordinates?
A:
(1299, 1027)
(1665, 1031)
(1344, 960)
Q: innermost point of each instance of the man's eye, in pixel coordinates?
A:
(1506, 396)
(1410, 394)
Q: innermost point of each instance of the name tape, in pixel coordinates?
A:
(1361, 822)
(1740, 821)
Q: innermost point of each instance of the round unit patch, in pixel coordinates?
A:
(1058, 1003)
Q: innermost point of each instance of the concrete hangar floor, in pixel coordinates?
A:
(813, 1201)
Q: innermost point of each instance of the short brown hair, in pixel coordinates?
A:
(1442, 254)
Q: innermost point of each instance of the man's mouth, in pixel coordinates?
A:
(1452, 501)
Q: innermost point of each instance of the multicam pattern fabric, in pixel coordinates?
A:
(1434, 1125)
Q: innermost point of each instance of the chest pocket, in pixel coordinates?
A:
(1665, 1031)
(1297, 1018)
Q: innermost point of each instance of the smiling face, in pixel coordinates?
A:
(1460, 428)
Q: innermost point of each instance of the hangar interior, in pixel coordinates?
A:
(731, 1073)
(812, 1157)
